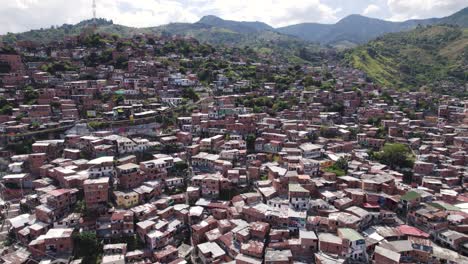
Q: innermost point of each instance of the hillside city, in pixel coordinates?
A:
(165, 149)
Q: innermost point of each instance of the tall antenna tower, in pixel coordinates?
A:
(94, 12)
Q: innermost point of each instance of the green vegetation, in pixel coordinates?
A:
(5, 107)
(94, 59)
(328, 132)
(55, 104)
(410, 196)
(121, 62)
(45, 35)
(189, 93)
(118, 99)
(424, 56)
(340, 167)
(180, 169)
(261, 40)
(22, 147)
(97, 124)
(10, 239)
(250, 142)
(336, 171)
(395, 155)
(270, 104)
(30, 95)
(8, 50)
(88, 247)
(58, 66)
(80, 207)
(94, 41)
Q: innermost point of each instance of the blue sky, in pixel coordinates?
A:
(22, 15)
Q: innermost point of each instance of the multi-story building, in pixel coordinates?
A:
(96, 192)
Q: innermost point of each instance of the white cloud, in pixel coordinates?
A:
(22, 15)
(371, 9)
(274, 12)
(413, 9)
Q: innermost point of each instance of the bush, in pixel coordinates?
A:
(189, 93)
(340, 167)
(395, 155)
(86, 246)
(336, 171)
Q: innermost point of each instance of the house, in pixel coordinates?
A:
(311, 151)
(129, 176)
(385, 256)
(298, 197)
(353, 244)
(210, 252)
(452, 239)
(126, 199)
(56, 242)
(96, 192)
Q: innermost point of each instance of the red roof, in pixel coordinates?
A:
(371, 205)
(412, 231)
(58, 192)
(462, 198)
(118, 215)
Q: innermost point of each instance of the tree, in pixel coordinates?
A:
(5, 107)
(250, 141)
(189, 93)
(119, 99)
(55, 104)
(328, 132)
(309, 81)
(59, 66)
(94, 41)
(280, 105)
(30, 95)
(312, 137)
(80, 207)
(337, 107)
(121, 62)
(342, 163)
(86, 246)
(179, 168)
(395, 155)
(340, 167)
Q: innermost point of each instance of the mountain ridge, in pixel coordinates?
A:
(360, 29)
(353, 29)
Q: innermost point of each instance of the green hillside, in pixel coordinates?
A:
(433, 56)
(254, 35)
(46, 35)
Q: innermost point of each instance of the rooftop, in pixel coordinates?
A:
(350, 234)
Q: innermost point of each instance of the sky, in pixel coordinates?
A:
(22, 15)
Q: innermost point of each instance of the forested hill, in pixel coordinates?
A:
(349, 31)
(432, 56)
(212, 30)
